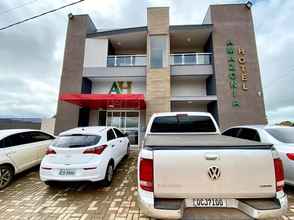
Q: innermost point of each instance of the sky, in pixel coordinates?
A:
(31, 54)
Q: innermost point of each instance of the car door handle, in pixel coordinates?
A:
(211, 156)
(113, 145)
(120, 141)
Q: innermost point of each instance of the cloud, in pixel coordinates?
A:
(275, 36)
(31, 54)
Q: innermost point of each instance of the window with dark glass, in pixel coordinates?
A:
(249, 134)
(76, 141)
(233, 132)
(15, 140)
(110, 135)
(118, 133)
(40, 136)
(182, 123)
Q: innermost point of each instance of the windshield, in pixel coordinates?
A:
(285, 135)
(74, 141)
(182, 123)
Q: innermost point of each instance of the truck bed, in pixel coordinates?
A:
(200, 141)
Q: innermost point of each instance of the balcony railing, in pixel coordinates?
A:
(190, 58)
(126, 60)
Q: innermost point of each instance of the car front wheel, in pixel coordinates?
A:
(6, 175)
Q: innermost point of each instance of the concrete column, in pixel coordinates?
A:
(233, 23)
(71, 78)
(158, 80)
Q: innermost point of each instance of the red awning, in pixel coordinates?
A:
(106, 101)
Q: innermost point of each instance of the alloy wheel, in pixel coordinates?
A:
(5, 176)
(109, 173)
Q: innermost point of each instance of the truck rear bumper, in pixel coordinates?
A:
(266, 213)
(146, 203)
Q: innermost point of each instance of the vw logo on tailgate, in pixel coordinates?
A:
(214, 173)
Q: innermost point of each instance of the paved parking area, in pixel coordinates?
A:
(28, 198)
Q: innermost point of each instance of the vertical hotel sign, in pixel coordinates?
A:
(232, 70)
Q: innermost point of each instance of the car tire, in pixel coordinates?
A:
(6, 175)
(128, 150)
(108, 175)
(50, 183)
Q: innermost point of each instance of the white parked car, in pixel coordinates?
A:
(84, 154)
(280, 136)
(20, 149)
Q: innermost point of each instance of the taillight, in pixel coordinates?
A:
(279, 173)
(50, 151)
(96, 150)
(146, 174)
(290, 156)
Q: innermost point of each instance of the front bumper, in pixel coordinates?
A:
(146, 203)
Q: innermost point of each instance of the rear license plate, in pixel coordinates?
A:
(210, 203)
(67, 172)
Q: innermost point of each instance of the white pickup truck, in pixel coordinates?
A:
(185, 162)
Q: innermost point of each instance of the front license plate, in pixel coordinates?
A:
(67, 172)
(211, 202)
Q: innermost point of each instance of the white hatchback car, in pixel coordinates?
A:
(280, 136)
(20, 149)
(84, 154)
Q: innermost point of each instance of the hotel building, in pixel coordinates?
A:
(121, 77)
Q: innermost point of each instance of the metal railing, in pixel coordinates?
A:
(190, 58)
(126, 60)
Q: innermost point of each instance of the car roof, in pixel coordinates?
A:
(258, 126)
(6, 132)
(250, 126)
(85, 130)
(178, 113)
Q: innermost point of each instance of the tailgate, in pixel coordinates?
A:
(213, 173)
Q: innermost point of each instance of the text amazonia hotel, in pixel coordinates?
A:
(120, 77)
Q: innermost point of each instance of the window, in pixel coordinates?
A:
(118, 133)
(285, 135)
(158, 57)
(233, 132)
(249, 134)
(14, 140)
(2, 144)
(75, 141)
(40, 136)
(110, 135)
(182, 123)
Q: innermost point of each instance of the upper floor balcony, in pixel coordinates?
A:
(191, 64)
(126, 60)
(191, 59)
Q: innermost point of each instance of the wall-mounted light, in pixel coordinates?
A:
(70, 16)
(249, 4)
(189, 39)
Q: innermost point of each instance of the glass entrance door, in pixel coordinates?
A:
(127, 121)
